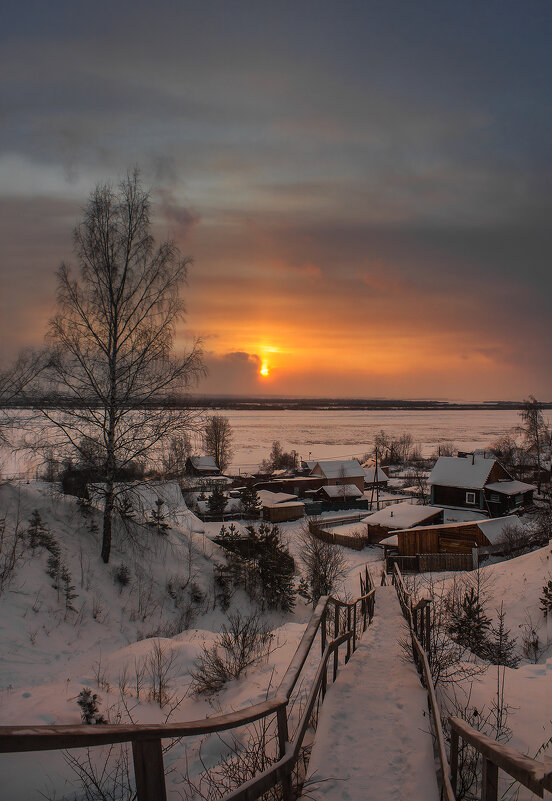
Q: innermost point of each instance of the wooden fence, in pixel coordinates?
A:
(346, 540)
(431, 562)
(344, 621)
(531, 773)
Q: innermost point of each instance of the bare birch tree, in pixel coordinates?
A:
(217, 438)
(112, 339)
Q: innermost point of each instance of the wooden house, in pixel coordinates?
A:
(375, 478)
(471, 481)
(201, 466)
(340, 471)
(399, 516)
(454, 537)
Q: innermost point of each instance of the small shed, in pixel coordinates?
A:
(375, 478)
(455, 537)
(400, 516)
(283, 512)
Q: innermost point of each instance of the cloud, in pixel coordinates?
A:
(233, 373)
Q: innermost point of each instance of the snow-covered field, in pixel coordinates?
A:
(48, 654)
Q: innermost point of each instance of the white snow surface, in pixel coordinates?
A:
(373, 738)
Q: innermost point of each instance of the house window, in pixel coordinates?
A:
(470, 497)
(518, 500)
(495, 498)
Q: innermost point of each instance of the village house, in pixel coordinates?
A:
(375, 478)
(340, 471)
(399, 516)
(201, 466)
(472, 481)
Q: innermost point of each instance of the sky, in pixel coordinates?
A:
(364, 187)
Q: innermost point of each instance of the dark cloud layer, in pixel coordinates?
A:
(335, 169)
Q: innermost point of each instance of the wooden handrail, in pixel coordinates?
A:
(421, 660)
(146, 738)
(529, 772)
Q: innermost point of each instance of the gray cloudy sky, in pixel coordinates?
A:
(365, 187)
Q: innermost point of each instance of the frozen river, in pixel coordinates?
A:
(323, 434)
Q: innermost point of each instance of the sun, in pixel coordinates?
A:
(264, 371)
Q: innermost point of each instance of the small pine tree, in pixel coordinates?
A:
(126, 510)
(223, 531)
(69, 593)
(500, 646)
(217, 501)
(276, 570)
(158, 521)
(53, 569)
(233, 531)
(250, 501)
(469, 624)
(89, 703)
(546, 598)
(36, 530)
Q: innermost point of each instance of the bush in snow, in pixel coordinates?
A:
(122, 575)
(546, 598)
(243, 642)
(324, 565)
(89, 703)
(158, 521)
(500, 648)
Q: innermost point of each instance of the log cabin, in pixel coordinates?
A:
(472, 481)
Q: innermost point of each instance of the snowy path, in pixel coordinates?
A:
(373, 741)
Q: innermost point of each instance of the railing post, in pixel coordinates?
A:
(354, 627)
(281, 716)
(336, 634)
(427, 644)
(149, 772)
(453, 759)
(348, 656)
(323, 647)
(489, 790)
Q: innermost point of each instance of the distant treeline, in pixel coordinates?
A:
(246, 403)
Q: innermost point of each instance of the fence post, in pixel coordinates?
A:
(282, 740)
(323, 645)
(348, 656)
(336, 634)
(149, 772)
(354, 627)
(489, 781)
(427, 644)
(453, 758)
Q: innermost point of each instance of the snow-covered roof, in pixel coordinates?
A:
(402, 515)
(338, 468)
(393, 540)
(285, 505)
(457, 515)
(494, 528)
(203, 462)
(470, 472)
(342, 491)
(269, 498)
(369, 473)
(510, 487)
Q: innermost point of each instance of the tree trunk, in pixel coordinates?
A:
(107, 524)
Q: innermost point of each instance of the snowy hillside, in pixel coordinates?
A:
(109, 638)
